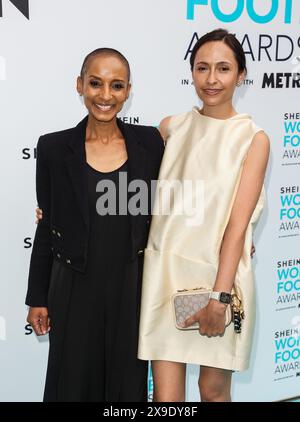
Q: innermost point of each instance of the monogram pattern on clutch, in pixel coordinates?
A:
(188, 302)
(187, 305)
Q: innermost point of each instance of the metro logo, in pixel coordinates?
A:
(21, 5)
(240, 6)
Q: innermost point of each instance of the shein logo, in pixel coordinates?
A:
(21, 5)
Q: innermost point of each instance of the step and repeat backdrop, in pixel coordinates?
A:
(42, 46)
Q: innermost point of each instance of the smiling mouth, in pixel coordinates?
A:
(212, 91)
(104, 107)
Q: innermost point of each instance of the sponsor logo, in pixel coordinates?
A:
(150, 384)
(289, 211)
(28, 153)
(288, 284)
(258, 12)
(27, 242)
(21, 5)
(133, 120)
(28, 330)
(287, 351)
(265, 47)
(291, 139)
(281, 80)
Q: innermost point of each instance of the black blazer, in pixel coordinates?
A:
(62, 194)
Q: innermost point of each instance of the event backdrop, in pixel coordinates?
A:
(42, 45)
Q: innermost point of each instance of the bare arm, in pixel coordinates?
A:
(212, 318)
(245, 202)
(163, 127)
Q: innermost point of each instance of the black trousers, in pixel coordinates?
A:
(90, 360)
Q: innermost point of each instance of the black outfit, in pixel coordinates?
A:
(87, 269)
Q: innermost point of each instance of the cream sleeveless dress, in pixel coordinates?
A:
(183, 253)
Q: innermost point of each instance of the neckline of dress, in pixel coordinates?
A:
(108, 172)
(236, 116)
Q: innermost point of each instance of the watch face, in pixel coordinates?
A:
(225, 298)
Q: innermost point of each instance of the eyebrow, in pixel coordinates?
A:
(99, 79)
(223, 62)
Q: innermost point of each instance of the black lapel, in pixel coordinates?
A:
(137, 156)
(135, 151)
(76, 165)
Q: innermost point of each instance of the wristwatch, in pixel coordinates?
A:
(221, 297)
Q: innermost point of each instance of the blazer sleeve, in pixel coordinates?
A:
(159, 143)
(41, 256)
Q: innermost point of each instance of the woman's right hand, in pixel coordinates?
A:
(211, 319)
(38, 318)
(38, 215)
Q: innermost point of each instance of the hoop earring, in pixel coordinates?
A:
(239, 83)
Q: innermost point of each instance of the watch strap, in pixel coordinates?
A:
(222, 297)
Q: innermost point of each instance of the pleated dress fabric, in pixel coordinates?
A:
(183, 250)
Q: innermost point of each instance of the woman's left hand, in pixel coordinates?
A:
(211, 319)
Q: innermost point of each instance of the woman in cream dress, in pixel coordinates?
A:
(227, 154)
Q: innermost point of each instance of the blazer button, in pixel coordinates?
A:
(53, 231)
(141, 252)
(68, 261)
(58, 234)
(58, 255)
